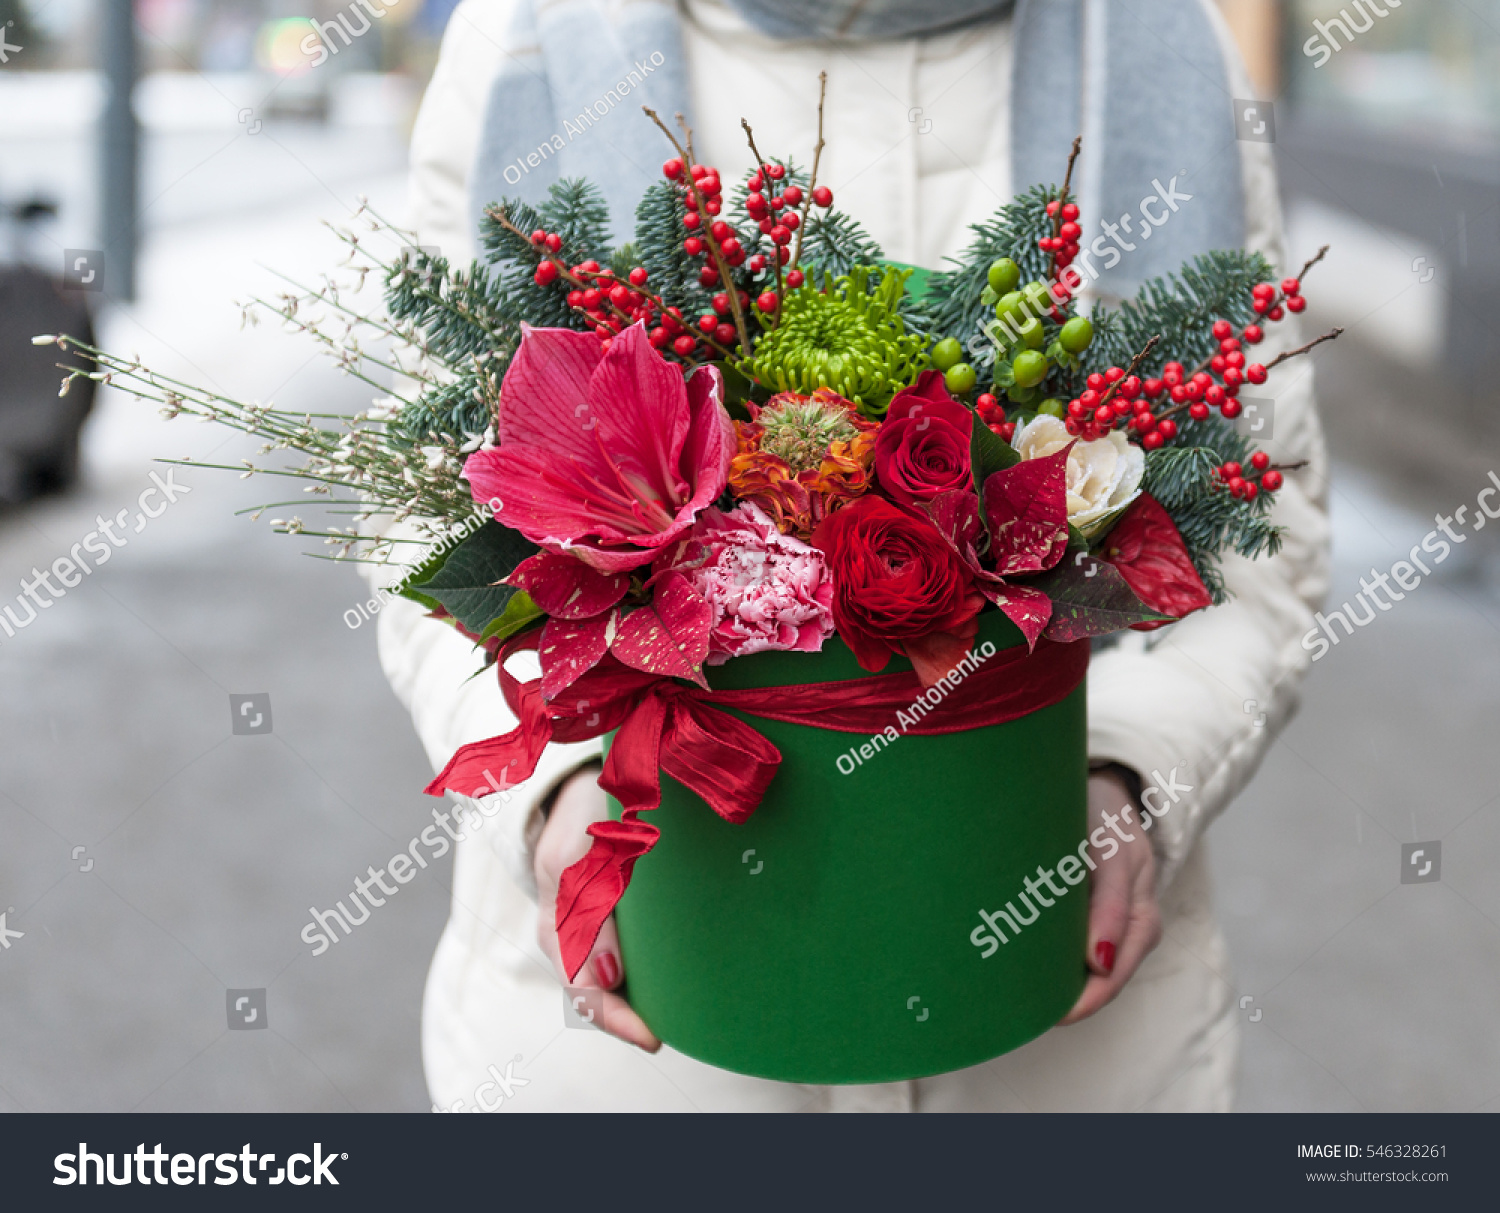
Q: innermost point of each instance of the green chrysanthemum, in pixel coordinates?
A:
(848, 339)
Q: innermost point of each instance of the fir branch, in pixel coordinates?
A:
(952, 307)
(835, 243)
(1182, 308)
(1183, 478)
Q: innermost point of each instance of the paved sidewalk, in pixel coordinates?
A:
(152, 860)
(1367, 993)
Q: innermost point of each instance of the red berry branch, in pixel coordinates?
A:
(704, 190)
(1241, 482)
(1063, 243)
(598, 296)
(764, 178)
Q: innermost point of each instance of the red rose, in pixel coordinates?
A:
(898, 588)
(922, 449)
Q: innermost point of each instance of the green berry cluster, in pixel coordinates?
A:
(1032, 337)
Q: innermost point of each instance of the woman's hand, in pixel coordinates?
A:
(1124, 922)
(564, 841)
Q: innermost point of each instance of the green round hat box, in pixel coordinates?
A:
(827, 938)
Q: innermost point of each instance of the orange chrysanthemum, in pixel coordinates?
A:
(802, 458)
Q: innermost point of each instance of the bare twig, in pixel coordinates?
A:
(1312, 261)
(1057, 219)
(1302, 349)
(812, 181)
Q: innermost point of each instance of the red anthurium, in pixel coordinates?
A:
(1148, 551)
(1026, 506)
(605, 454)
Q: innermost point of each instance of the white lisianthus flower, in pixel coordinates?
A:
(1102, 476)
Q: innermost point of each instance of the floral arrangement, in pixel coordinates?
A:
(745, 430)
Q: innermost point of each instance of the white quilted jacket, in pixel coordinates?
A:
(1173, 698)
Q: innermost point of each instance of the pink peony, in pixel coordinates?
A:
(767, 590)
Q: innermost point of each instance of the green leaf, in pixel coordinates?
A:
(407, 592)
(466, 584)
(1090, 598)
(988, 452)
(434, 561)
(737, 389)
(519, 614)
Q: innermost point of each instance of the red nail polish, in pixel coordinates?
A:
(607, 968)
(1104, 955)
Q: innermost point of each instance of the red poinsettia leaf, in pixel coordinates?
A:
(956, 516)
(1090, 598)
(566, 588)
(1026, 506)
(570, 648)
(1025, 607)
(1147, 548)
(669, 635)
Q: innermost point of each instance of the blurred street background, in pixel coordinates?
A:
(152, 860)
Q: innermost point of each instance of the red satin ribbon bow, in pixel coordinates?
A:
(670, 726)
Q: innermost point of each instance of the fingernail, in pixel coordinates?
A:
(1104, 956)
(607, 968)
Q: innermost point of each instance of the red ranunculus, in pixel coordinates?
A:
(898, 588)
(922, 449)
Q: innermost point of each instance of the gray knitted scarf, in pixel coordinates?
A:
(1144, 80)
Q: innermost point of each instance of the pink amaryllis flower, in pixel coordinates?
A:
(608, 455)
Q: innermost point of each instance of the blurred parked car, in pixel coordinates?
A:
(38, 428)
